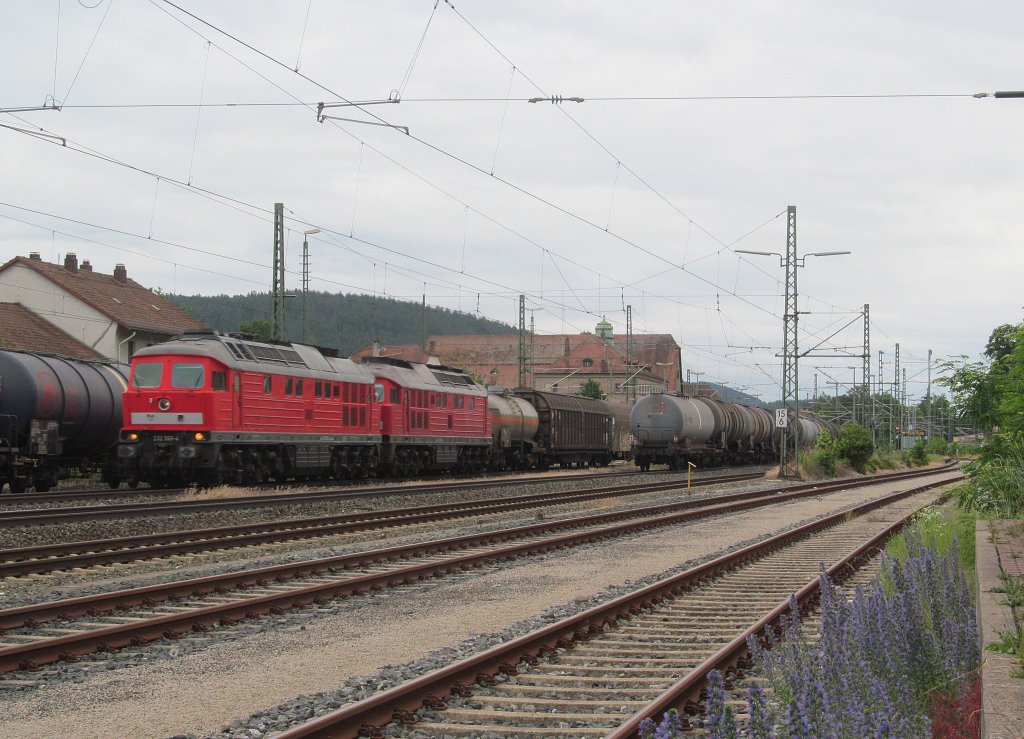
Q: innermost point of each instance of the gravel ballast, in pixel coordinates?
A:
(247, 683)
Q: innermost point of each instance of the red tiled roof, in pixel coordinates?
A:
(22, 329)
(128, 303)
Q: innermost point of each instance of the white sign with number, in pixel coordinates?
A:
(781, 418)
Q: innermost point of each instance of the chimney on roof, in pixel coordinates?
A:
(35, 255)
(86, 267)
(120, 274)
(376, 348)
(71, 262)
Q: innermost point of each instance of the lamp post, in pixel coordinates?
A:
(789, 465)
(695, 373)
(305, 277)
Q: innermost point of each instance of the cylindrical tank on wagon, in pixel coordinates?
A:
(762, 425)
(513, 420)
(83, 398)
(810, 429)
(664, 418)
(733, 420)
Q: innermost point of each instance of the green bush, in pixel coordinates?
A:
(918, 454)
(826, 453)
(938, 445)
(855, 445)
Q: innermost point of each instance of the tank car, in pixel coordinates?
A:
(674, 430)
(572, 430)
(209, 408)
(514, 425)
(433, 417)
(56, 414)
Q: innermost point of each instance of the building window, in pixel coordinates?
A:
(588, 362)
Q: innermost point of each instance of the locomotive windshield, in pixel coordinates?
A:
(147, 374)
(187, 375)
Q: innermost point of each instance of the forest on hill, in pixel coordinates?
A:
(344, 322)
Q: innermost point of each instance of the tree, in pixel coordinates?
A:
(258, 328)
(592, 389)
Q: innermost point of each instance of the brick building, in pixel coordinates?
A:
(558, 363)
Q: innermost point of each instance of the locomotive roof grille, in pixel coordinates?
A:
(446, 378)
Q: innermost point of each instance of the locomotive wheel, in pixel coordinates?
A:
(18, 485)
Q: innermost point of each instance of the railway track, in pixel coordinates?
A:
(355, 487)
(67, 555)
(44, 516)
(63, 630)
(600, 673)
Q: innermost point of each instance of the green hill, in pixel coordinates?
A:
(345, 322)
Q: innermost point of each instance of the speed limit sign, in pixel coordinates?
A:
(781, 418)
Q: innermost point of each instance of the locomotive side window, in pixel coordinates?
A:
(318, 389)
(394, 395)
(187, 375)
(288, 386)
(298, 386)
(267, 384)
(147, 374)
(219, 380)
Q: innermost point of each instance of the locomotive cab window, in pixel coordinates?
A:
(148, 374)
(378, 390)
(187, 375)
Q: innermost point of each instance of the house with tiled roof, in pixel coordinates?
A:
(23, 330)
(109, 314)
(560, 363)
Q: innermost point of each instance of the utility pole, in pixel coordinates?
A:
(788, 465)
(629, 348)
(897, 397)
(928, 416)
(277, 288)
(530, 361)
(522, 341)
(866, 369)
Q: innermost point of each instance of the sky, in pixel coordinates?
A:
(160, 135)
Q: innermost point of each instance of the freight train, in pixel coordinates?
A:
(673, 430)
(56, 415)
(211, 408)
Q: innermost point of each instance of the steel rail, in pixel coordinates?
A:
(50, 557)
(110, 638)
(350, 490)
(364, 717)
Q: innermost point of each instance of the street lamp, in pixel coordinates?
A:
(305, 276)
(789, 465)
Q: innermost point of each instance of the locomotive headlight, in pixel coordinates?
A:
(675, 439)
(164, 404)
(200, 436)
(133, 436)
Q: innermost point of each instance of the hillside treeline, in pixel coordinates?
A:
(345, 322)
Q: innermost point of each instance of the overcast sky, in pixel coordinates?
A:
(700, 124)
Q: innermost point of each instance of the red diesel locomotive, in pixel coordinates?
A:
(211, 408)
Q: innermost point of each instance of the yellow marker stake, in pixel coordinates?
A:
(690, 466)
